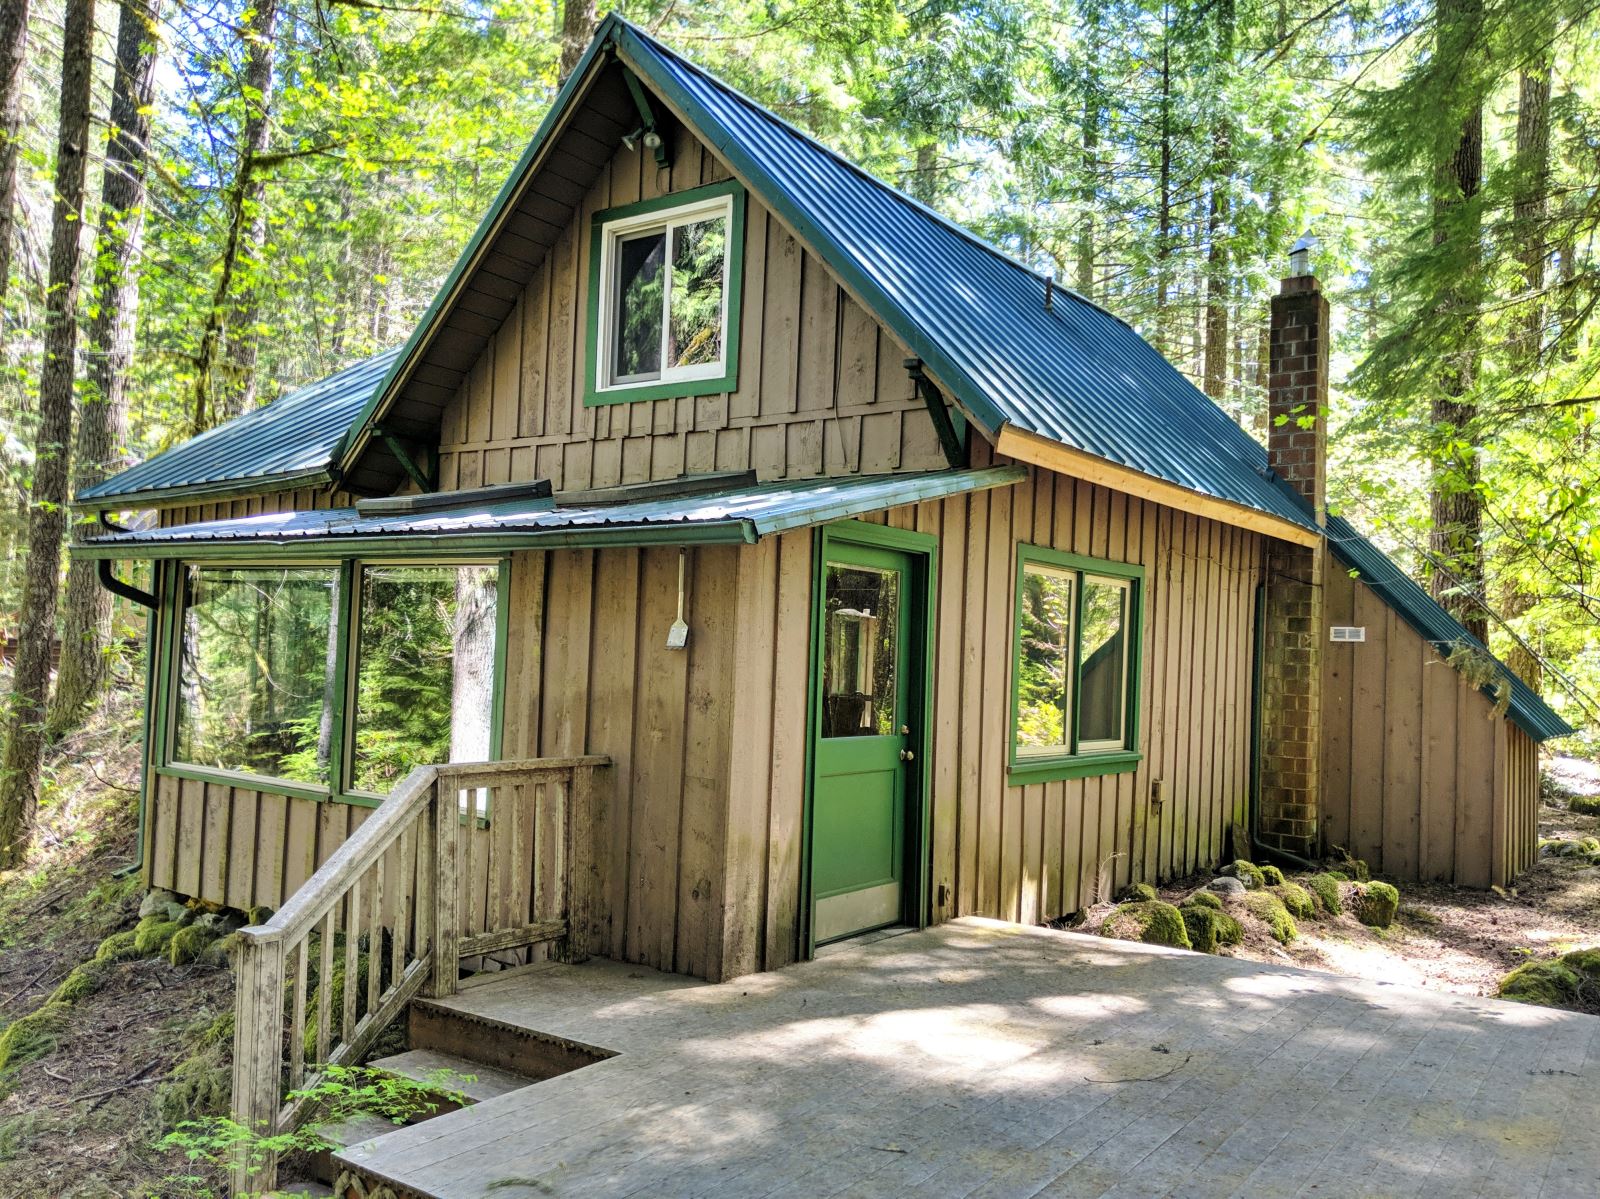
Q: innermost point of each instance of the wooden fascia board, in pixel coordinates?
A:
(1041, 451)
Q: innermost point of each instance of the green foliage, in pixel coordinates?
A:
(33, 1036)
(1325, 888)
(1585, 805)
(1150, 921)
(1268, 908)
(1375, 904)
(340, 1095)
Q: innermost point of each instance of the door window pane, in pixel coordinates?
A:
(256, 671)
(1102, 677)
(860, 633)
(1044, 664)
(699, 254)
(636, 322)
(425, 670)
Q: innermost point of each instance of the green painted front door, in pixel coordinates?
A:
(863, 758)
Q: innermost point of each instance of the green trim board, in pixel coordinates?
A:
(923, 548)
(163, 700)
(1074, 762)
(593, 394)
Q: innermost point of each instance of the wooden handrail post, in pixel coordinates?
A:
(446, 917)
(580, 862)
(257, 1055)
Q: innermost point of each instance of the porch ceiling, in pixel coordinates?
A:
(742, 513)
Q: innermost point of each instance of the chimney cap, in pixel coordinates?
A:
(1300, 255)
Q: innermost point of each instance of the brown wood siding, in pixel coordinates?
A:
(300, 499)
(822, 387)
(1020, 853)
(1414, 759)
(1516, 824)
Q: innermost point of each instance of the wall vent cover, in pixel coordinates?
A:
(1347, 632)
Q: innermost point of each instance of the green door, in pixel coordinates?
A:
(863, 757)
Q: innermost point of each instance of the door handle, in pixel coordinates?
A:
(906, 755)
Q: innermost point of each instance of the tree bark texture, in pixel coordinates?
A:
(578, 21)
(13, 55)
(47, 513)
(103, 407)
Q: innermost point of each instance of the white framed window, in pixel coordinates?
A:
(665, 284)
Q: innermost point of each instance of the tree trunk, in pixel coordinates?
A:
(229, 320)
(1217, 213)
(13, 54)
(1164, 192)
(1089, 154)
(578, 21)
(1455, 501)
(47, 516)
(103, 407)
(1529, 213)
(472, 689)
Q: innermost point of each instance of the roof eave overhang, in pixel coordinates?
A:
(1053, 455)
(222, 489)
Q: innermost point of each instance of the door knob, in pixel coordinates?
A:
(906, 755)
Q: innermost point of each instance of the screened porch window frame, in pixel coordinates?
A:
(1078, 759)
(341, 765)
(613, 225)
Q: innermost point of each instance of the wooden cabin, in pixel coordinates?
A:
(800, 564)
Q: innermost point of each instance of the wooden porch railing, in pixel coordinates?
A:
(460, 861)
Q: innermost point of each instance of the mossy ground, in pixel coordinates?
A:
(1150, 921)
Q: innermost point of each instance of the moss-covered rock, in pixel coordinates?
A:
(1138, 893)
(1247, 873)
(31, 1037)
(1589, 846)
(1375, 904)
(189, 943)
(1271, 875)
(1204, 899)
(153, 934)
(1297, 899)
(1585, 805)
(83, 981)
(1208, 927)
(118, 947)
(258, 915)
(1150, 921)
(1324, 888)
(1549, 983)
(1268, 908)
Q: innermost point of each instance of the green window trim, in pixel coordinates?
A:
(593, 394)
(161, 760)
(1072, 763)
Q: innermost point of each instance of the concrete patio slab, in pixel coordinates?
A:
(988, 1059)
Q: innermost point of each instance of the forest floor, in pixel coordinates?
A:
(1448, 938)
(89, 1089)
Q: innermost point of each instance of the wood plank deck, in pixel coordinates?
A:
(985, 1059)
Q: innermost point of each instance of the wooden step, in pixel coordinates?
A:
(493, 1043)
(301, 1190)
(474, 1080)
(356, 1131)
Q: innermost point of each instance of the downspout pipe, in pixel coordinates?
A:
(144, 599)
(121, 588)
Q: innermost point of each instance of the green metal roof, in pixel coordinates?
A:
(743, 513)
(1069, 372)
(1425, 614)
(287, 443)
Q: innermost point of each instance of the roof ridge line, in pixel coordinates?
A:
(910, 201)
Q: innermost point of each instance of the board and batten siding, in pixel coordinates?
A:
(299, 499)
(1030, 853)
(822, 389)
(1421, 778)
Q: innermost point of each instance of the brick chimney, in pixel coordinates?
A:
(1289, 817)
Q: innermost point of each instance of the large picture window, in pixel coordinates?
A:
(1075, 666)
(256, 671)
(664, 296)
(337, 680)
(425, 670)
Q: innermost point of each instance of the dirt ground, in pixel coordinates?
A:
(83, 1119)
(1448, 938)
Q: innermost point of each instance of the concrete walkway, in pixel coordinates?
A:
(988, 1059)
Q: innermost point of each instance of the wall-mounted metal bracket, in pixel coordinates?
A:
(647, 130)
(954, 452)
(425, 480)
